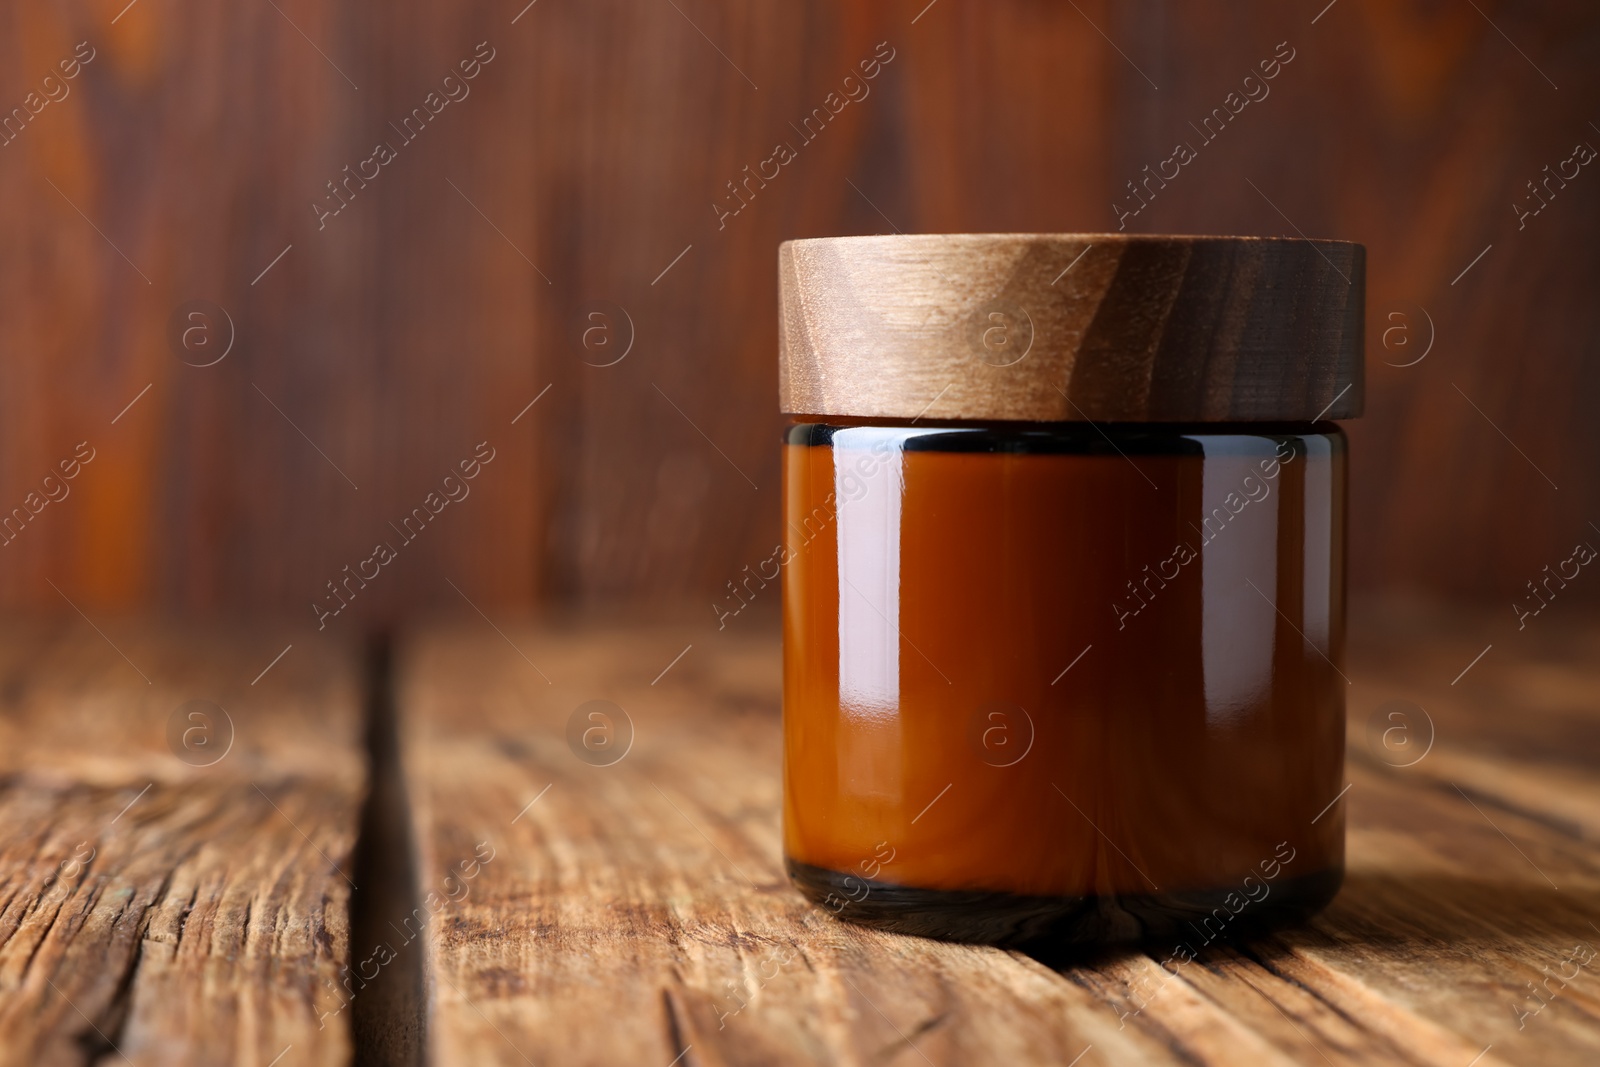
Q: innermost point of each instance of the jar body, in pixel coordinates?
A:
(1064, 682)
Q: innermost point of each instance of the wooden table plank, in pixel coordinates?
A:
(639, 909)
(165, 910)
(637, 912)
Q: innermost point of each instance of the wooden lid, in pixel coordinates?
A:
(1067, 327)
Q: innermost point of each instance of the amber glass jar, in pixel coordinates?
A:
(1063, 595)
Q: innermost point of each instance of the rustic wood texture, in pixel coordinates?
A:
(157, 910)
(598, 146)
(637, 912)
(1069, 327)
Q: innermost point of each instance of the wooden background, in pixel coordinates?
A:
(453, 290)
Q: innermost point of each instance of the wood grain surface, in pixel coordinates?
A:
(637, 911)
(1071, 327)
(598, 168)
(175, 890)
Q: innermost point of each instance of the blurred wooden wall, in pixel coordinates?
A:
(578, 176)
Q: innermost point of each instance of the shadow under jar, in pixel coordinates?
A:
(1064, 582)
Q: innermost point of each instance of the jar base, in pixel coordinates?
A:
(1014, 920)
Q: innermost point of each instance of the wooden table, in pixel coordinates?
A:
(168, 898)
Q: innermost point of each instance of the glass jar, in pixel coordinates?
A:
(1075, 677)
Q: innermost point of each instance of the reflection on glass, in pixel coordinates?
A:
(868, 488)
(1239, 557)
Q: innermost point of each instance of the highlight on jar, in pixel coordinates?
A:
(1064, 597)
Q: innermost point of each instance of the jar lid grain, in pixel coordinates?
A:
(1071, 327)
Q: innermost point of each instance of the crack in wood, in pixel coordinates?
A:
(388, 1024)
